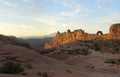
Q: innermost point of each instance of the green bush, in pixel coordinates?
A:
(74, 52)
(39, 74)
(11, 67)
(29, 66)
(44, 74)
(96, 46)
(97, 49)
(78, 52)
(83, 52)
(116, 49)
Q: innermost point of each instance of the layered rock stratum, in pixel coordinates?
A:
(67, 37)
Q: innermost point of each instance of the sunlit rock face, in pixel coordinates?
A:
(115, 29)
(67, 37)
(114, 32)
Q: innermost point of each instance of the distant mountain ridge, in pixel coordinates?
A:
(37, 37)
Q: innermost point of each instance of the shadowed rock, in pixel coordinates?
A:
(99, 33)
(13, 40)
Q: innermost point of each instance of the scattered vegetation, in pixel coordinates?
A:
(29, 66)
(84, 52)
(115, 50)
(43, 74)
(39, 74)
(69, 71)
(110, 61)
(90, 66)
(24, 73)
(110, 46)
(113, 61)
(96, 46)
(11, 67)
(78, 52)
(74, 52)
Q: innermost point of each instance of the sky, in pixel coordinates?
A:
(41, 17)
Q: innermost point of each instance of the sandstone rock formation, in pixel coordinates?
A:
(99, 33)
(67, 37)
(114, 32)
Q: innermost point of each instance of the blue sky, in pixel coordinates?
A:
(41, 17)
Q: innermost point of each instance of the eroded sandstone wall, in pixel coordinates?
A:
(67, 37)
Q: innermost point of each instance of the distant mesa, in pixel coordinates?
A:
(12, 40)
(67, 37)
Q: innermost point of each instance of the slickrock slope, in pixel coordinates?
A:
(12, 40)
(67, 37)
(40, 63)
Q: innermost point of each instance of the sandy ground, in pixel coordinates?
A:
(77, 66)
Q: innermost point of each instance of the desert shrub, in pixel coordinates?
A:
(90, 66)
(96, 46)
(78, 52)
(29, 66)
(83, 52)
(39, 74)
(74, 52)
(118, 60)
(24, 73)
(44, 74)
(11, 67)
(69, 71)
(116, 49)
(111, 61)
(97, 49)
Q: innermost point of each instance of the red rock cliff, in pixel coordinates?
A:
(67, 37)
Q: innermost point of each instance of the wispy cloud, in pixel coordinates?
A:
(104, 1)
(17, 26)
(100, 3)
(78, 12)
(12, 4)
(27, 1)
(110, 19)
(45, 20)
(18, 29)
(65, 3)
(99, 6)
